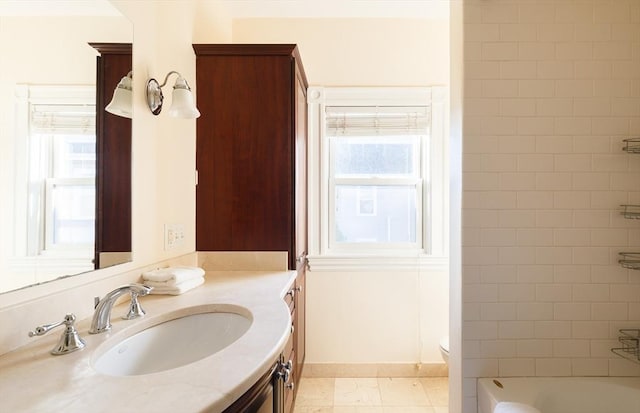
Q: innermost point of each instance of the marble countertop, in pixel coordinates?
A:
(33, 380)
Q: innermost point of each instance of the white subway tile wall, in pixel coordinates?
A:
(552, 87)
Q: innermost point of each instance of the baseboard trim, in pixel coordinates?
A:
(333, 370)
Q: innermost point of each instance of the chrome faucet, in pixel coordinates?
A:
(102, 316)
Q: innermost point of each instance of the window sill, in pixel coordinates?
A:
(377, 263)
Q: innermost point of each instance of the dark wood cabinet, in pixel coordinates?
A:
(251, 149)
(113, 157)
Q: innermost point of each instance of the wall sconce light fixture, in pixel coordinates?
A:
(122, 102)
(182, 105)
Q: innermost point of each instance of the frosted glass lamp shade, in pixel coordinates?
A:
(122, 102)
(182, 105)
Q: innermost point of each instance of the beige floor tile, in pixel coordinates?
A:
(357, 392)
(437, 390)
(315, 392)
(340, 370)
(312, 409)
(408, 409)
(402, 392)
(358, 409)
(371, 395)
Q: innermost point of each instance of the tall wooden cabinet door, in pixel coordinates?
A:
(300, 229)
(301, 217)
(244, 151)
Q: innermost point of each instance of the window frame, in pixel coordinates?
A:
(433, 227)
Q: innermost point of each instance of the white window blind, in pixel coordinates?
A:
(63, 119)
(377, 120)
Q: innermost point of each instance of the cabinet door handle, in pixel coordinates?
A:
(292, 293)
(285, 371)
(303, 258)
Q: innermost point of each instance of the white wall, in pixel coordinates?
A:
(368, 317)
(551, 89)
(359, 52)
(376, 317)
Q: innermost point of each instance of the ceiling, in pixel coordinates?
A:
(57, 8)
(432, 9)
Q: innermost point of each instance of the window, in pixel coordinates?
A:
(375, 176)
(378, 154)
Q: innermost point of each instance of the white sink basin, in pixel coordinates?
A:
(172, 343)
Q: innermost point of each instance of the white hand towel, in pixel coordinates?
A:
(175, 289)
(514, 407)
(173, 275)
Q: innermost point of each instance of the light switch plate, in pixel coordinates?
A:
(173, 236)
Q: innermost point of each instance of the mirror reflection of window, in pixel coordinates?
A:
(70, 190)
(59, 167)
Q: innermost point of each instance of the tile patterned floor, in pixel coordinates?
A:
(373, 395)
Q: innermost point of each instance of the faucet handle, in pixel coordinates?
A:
(135, 309)
(69, 341)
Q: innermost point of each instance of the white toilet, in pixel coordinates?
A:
(444, 348)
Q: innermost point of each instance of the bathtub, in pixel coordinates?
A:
(563, 394)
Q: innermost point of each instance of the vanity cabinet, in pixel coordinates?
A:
(275, 391)
(251, 149)
(263, 395)
(294, 351)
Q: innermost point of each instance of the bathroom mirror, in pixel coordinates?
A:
(48, 146)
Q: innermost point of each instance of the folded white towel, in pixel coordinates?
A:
(175, 289)
(173, 275)
(514, 407)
